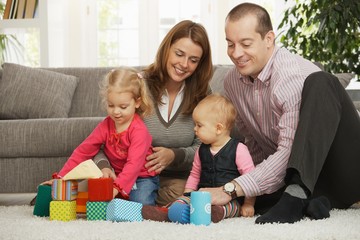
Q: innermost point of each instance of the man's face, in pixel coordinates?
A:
(245, 47)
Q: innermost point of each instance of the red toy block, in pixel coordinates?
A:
(100, 189)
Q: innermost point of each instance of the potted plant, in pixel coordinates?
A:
(325, 31)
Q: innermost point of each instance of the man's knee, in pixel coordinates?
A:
(321, 80)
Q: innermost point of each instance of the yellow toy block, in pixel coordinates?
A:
(63, 210)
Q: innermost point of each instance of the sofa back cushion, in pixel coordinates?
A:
(28, 93)
(87, 101)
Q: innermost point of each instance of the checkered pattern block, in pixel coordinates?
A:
(120, 210)
(63, 190)
(81, 200)
(63, 210)
(100, 189)
(96, 210)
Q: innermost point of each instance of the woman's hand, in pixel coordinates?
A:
(160, 159)
(108, 173)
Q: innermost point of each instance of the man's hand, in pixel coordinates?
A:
(218, 196)
(108, 173)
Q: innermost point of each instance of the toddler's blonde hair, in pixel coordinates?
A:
(221, 108)
(128, 80)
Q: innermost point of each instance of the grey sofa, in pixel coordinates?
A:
(44, 115)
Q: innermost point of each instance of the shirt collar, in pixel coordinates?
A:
(265, 74)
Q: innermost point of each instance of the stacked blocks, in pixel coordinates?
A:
(120, 210)
(43, 199)
(100, 192)
(63, 206)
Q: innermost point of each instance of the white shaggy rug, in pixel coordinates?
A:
(18, 223)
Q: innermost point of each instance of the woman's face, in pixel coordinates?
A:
(184, 57)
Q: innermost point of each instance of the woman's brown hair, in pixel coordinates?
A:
(197, 85)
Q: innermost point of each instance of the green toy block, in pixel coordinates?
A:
(43, 199)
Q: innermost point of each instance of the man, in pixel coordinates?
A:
(299, 124)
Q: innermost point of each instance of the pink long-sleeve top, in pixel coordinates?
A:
(126, 151)
(268, 114)
(243, 162)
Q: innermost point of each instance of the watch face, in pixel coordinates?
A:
(229, 187)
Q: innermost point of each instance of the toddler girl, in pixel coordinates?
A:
(124, 137)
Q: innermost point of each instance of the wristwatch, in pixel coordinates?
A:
(230, 189)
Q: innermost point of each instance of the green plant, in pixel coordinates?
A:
(325, 31)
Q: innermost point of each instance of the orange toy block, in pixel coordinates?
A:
(81, 200)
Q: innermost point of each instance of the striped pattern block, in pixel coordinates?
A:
(96, 210)
(63, 210)
(120, 210)
(82, 198)
(62, 190)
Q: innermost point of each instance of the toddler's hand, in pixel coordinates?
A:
(115, 192)
(49, 182)
(108, 173)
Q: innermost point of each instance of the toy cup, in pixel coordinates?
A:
(200, 208)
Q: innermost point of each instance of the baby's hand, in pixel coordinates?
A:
(247, 210)
(49, 182)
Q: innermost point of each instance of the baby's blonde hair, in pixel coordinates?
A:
(221, 108)
(128, 80)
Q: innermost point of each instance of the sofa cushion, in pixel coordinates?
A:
(344, 78)
(52, 137)
(28, 93)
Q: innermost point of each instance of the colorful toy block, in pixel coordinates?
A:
(81, 200)
(64, 190)
(63, 210)
(120, 210)
(43, 199)
(100, 189)
(96, 210)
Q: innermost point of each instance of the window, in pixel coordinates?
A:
(92, 33)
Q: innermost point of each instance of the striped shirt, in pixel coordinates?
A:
(268, 114)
